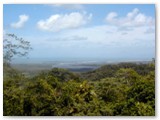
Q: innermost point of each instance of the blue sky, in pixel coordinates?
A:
(84, 30)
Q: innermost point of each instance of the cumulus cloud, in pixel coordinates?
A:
(69, 6)
(132, 19)
(59, 22)
(22, 20)
(111, 16)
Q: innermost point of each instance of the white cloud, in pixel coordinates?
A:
(104, 36)
(133, 13)
(59, 22)
(132, 19)
(104, 40)
(21, 22)
(69, 6)
(111, 16)
(107, 35)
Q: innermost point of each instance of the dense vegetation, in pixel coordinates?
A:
(126, 89)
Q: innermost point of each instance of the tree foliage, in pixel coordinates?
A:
(59, 92)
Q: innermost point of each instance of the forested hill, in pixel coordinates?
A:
(111, 69)
(125, 89)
